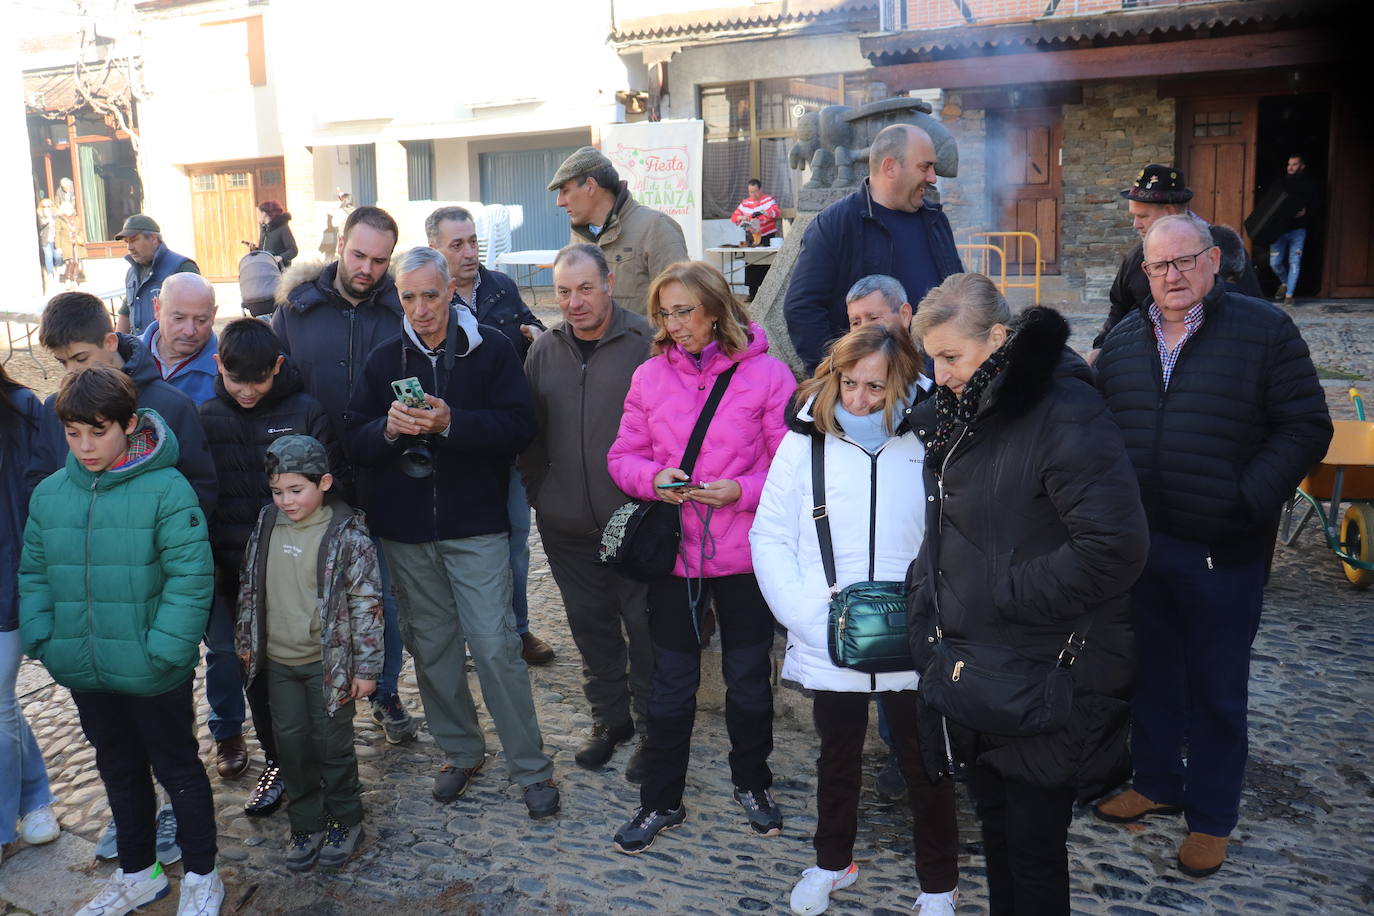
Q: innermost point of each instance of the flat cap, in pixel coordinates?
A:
(583, 162)
(137, 223)
(299, 455)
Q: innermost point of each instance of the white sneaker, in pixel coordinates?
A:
(39, 826)
(126, 893)
(201, 895)
(812, 893)
(937, 904)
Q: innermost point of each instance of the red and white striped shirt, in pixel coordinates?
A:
(764, 209)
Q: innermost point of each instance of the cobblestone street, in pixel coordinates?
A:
(1304, 844)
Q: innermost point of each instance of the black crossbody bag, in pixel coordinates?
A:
(641, 538)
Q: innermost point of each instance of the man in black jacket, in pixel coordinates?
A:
(885, 227)
(1223, 414)
(495, 300)
(444, 466)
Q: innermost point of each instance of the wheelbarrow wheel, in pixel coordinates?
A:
(1357, 538)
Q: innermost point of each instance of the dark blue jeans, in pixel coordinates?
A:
(746, 636)
(1193, 630)
(223, 673)
(391, 629)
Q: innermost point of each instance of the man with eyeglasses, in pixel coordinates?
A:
(1222, 412)
(579, 374)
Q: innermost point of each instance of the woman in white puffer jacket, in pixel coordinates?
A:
(859, 400)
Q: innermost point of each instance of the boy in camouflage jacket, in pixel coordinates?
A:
(310, 620)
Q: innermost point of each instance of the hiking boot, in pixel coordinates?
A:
(534, 650)
(451, 781)
(764, 817)
(267, 794)
(39, 826)
(542, 799)
(340, 842)
(231, 757)
(937, 904)
(390, 713)
(125, 893)
(107, 847)
(891, 784)
(303, 849)
(168, 851)
(1281, 293)
(1202, 854)
(640, 831)
(634, 770)
(811, 894)
(1129, 807)
(201, 895)
(602, 744)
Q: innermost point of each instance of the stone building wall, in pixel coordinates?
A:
(966, 198)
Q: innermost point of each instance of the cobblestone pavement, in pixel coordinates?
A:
(1304, 844)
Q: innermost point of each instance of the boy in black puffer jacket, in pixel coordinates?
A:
(259, 397)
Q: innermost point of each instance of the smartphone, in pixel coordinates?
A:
(679, 485)
(409, 392)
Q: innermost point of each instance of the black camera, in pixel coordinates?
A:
(417, 459)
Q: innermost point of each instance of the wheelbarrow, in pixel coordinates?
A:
(1343, 479)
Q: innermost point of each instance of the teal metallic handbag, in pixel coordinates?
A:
(867, 628)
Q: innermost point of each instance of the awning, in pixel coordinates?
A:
(54, 91)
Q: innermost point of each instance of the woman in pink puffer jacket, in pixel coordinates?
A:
(701, 330)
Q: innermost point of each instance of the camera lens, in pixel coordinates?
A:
(417, 460)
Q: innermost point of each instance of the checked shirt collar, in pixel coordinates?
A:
(1169, 358)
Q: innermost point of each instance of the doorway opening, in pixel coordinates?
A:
(1301, 125)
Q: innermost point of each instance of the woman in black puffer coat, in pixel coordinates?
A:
(276, 237)
(1036, 513)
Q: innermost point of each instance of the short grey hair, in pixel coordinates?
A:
(419, 259)
(1190, 219)
(443, 215)
(970, 300)
(579, 251)
(893, 292)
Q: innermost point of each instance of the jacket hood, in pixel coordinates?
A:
(311, 283)
(801, 420)
(464, 335)
(138, 362)
(679, 359)
(623, 200)
(281, 219)
(164, 454)
(1037, 356)
(299, 274)
(287, 383)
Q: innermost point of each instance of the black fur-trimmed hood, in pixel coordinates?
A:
(1037, 355)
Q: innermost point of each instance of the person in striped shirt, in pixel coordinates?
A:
(758, 211)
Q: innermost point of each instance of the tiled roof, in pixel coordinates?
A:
(783, 14)
(55, 90)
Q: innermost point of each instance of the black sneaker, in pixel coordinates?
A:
(339, 843)
(641, 831)
(397, 724)
(634, 770)
(303, 849)
(267, 794)
(764, 817)
(451, 781)
(891, 784)
(602, 744)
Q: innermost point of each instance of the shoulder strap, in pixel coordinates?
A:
(820, 514)
(689, 457)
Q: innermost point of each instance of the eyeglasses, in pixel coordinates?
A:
(1183, 264)
(678, 315)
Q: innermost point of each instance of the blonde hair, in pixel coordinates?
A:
(729, 320)
(903, 368)
(971, 300)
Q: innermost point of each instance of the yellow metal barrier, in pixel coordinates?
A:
(1019, 240)
(978, 257)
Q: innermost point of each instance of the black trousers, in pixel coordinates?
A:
(1025, 840)
(129, 735)
(842, 723)
(746, 636)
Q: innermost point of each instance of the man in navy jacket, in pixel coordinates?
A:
(885, 227)
(150, 263)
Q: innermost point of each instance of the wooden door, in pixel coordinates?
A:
(1350, 190)
(1216, 140)
(1026, 186)
(224, 201)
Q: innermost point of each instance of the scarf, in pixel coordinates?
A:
(952, 412)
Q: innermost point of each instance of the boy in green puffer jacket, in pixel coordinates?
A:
(115, 586)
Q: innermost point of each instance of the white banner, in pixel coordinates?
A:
(661, 163)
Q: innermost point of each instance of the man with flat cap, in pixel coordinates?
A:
(150, 262)
(1158, 190)
(638, 241)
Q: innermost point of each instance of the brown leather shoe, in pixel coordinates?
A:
(231, 757)
(534, 650)
(1129, 807)
(1202, 854)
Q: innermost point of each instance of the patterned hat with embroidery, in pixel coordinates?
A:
(299, 455)
(1159, 184)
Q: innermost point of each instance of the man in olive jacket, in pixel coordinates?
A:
(638, 241)
(579, 374)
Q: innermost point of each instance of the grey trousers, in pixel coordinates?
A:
(454, 591)
(604, 608)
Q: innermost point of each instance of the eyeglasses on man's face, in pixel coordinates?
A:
(1182, 264)
(678, 315)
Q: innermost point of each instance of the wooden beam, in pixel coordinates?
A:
(1293, 48)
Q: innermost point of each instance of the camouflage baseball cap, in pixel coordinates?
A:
(583, 162)
(299, 455)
